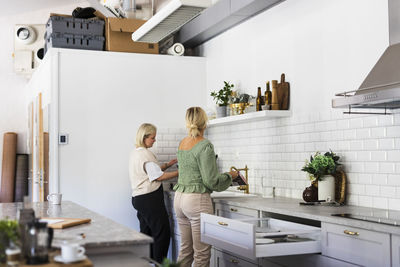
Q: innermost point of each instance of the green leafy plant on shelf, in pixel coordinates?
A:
(221, 97)
(321, 164)
(9, 232)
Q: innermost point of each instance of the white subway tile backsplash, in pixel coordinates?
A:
(394, 179)
(393, 155)
(275, 151)
(356, 123)
(378, 156)
(370, 144)
(370, 121)
(393, 131)
(385, 120)
(365, 201)
(380, 203)
(356, 145)
(387, 167)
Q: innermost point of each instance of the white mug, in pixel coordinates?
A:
(54, 198)
(72, 252)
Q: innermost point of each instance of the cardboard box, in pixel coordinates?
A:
(119, 36)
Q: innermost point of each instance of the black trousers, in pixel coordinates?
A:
(153, 218)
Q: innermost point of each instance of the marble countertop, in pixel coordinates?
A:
(323, 213)
(100, 232)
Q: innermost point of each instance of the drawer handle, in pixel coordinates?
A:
(234, 210)
(347, 232)
(222, 223)
(234, 261)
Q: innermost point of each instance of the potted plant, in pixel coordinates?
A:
(9, 233)
(222, 98)
(320, 168)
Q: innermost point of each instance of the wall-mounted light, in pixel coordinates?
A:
(169, 20)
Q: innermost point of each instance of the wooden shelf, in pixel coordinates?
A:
(249, 117)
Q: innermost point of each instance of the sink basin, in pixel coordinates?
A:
(224, 194)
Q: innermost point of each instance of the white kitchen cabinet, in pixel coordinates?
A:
(234, 212)
(239, 236)
(224, 259)
(356, 245)
(395, 251)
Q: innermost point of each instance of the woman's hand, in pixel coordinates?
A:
(172, 162)
(169, 164)
(234, 174)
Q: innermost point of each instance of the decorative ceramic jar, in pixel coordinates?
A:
(326, 188)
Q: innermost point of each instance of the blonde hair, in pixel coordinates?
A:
(143, 132)
(196, 121)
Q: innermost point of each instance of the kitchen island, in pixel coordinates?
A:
(102, 238)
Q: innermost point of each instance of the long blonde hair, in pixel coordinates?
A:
(196, 121)
(143, 132)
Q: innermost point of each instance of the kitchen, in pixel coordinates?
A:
(324, 48)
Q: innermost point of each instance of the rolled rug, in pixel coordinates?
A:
(21, 177)
(8, 167)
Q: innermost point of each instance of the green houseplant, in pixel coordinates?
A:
(9, 232)
(221, 98)
(320, 169)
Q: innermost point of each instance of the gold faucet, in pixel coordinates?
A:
(243, 187)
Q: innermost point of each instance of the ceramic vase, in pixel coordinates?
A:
(221, 111)
(326, 188)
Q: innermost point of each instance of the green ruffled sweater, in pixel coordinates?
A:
(198, 171)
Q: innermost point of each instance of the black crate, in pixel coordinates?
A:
(67, 40)
(59, 24)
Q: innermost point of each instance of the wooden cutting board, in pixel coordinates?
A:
(85, 263)
(66, 222)
(283, 93)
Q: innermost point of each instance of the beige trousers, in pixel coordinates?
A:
(188, 207)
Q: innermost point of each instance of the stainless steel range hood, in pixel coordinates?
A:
(381, 87)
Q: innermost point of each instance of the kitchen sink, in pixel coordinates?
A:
(224, 194)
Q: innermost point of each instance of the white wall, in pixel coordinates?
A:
(103, 99)
(324, 47)
(13, 94)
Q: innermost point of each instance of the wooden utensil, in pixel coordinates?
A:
(66, 222)
(283, 93)
(275, 95)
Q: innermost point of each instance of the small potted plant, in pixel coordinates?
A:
(9, 233)
(222, 98)
(320, 168)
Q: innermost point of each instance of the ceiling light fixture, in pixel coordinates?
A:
(169, 20)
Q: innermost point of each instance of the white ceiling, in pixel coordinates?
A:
(14, 7)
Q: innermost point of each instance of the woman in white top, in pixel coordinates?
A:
(146, 175)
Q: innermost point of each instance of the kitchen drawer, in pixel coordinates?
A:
(356, 245)
(223, 259)
(395, 251)
(234, 212)
(239, 236)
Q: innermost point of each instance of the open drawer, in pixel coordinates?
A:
(248, 237)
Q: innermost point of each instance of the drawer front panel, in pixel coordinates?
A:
(227, 234)
(223, 259)
(233, 212)
(238, 237)
(395, 251)
(356, 245)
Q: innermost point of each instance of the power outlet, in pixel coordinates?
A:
(63, 139)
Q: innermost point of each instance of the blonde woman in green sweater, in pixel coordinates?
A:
(198, 177)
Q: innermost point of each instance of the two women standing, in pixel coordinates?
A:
(198, 177)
